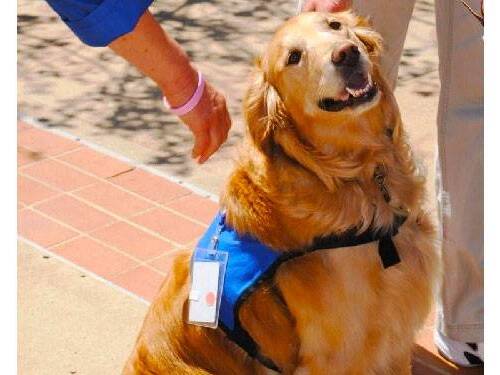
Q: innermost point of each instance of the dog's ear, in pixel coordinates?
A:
(264, 110)
(370, 38)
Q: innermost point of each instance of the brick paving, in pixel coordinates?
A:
(118, 221)
(124, 223)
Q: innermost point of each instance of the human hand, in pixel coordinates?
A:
(327, 5)
(161, 58)
(209, 122)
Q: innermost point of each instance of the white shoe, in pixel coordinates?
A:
(466, 354)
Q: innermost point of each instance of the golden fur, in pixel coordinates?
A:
(304, 172)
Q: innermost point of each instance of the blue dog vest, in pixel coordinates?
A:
(250, 263)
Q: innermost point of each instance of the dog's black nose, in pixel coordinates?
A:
(347, 55)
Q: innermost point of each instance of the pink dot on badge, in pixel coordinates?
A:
(210, 298)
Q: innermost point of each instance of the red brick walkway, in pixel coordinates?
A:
(122, 222)
(113, 219)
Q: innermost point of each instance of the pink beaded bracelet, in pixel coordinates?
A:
(191, 103)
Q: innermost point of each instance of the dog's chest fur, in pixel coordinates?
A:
(350, 310)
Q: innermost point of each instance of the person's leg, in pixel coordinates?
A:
(391, 20)
(460, 191)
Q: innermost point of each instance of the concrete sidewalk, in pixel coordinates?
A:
(69, 322)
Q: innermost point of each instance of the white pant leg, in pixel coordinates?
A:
(460, 191)
(391, 19)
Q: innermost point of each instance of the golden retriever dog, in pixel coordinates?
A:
(325, 153)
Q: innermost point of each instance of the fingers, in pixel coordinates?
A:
(327, 5)
(341, 6)
(201, 142)
(209, 122)
(215, 142)
(217, 134)
(226, 124)
(309, 6)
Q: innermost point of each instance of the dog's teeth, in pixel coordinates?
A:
(359, 92)
(350, 91)
(353, 92)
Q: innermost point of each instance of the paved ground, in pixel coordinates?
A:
(120, 222)
(97, 212)
(116, 222)
(69, 322)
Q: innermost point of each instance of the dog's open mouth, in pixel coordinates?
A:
(357, 92)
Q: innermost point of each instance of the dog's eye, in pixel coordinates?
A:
(294, 57)
(335, 25)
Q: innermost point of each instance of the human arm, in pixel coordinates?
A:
(159, 57)
(132, 32)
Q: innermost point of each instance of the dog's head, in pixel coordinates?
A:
(324, 63)
(319, 73)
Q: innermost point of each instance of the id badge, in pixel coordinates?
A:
(208, 268)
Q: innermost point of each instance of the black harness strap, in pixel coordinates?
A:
(388, 252)
(241, 337)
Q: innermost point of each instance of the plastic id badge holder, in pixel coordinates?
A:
(208, 267)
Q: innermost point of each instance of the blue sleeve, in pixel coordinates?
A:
(99, 22)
